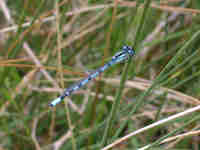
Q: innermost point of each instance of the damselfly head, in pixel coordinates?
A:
(128, 49)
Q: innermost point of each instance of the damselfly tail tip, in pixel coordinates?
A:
(51, 105)
(54, 102)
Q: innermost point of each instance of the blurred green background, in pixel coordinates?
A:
(45, 46)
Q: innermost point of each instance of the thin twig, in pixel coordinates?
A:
(156, 124)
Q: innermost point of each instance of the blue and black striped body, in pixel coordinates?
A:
(119, 57)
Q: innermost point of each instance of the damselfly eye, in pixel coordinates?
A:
(125, 47)
(131, 52)
(129, 49)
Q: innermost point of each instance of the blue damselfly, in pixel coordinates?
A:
(126, 53)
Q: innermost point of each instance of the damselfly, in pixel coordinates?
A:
(126, 53)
